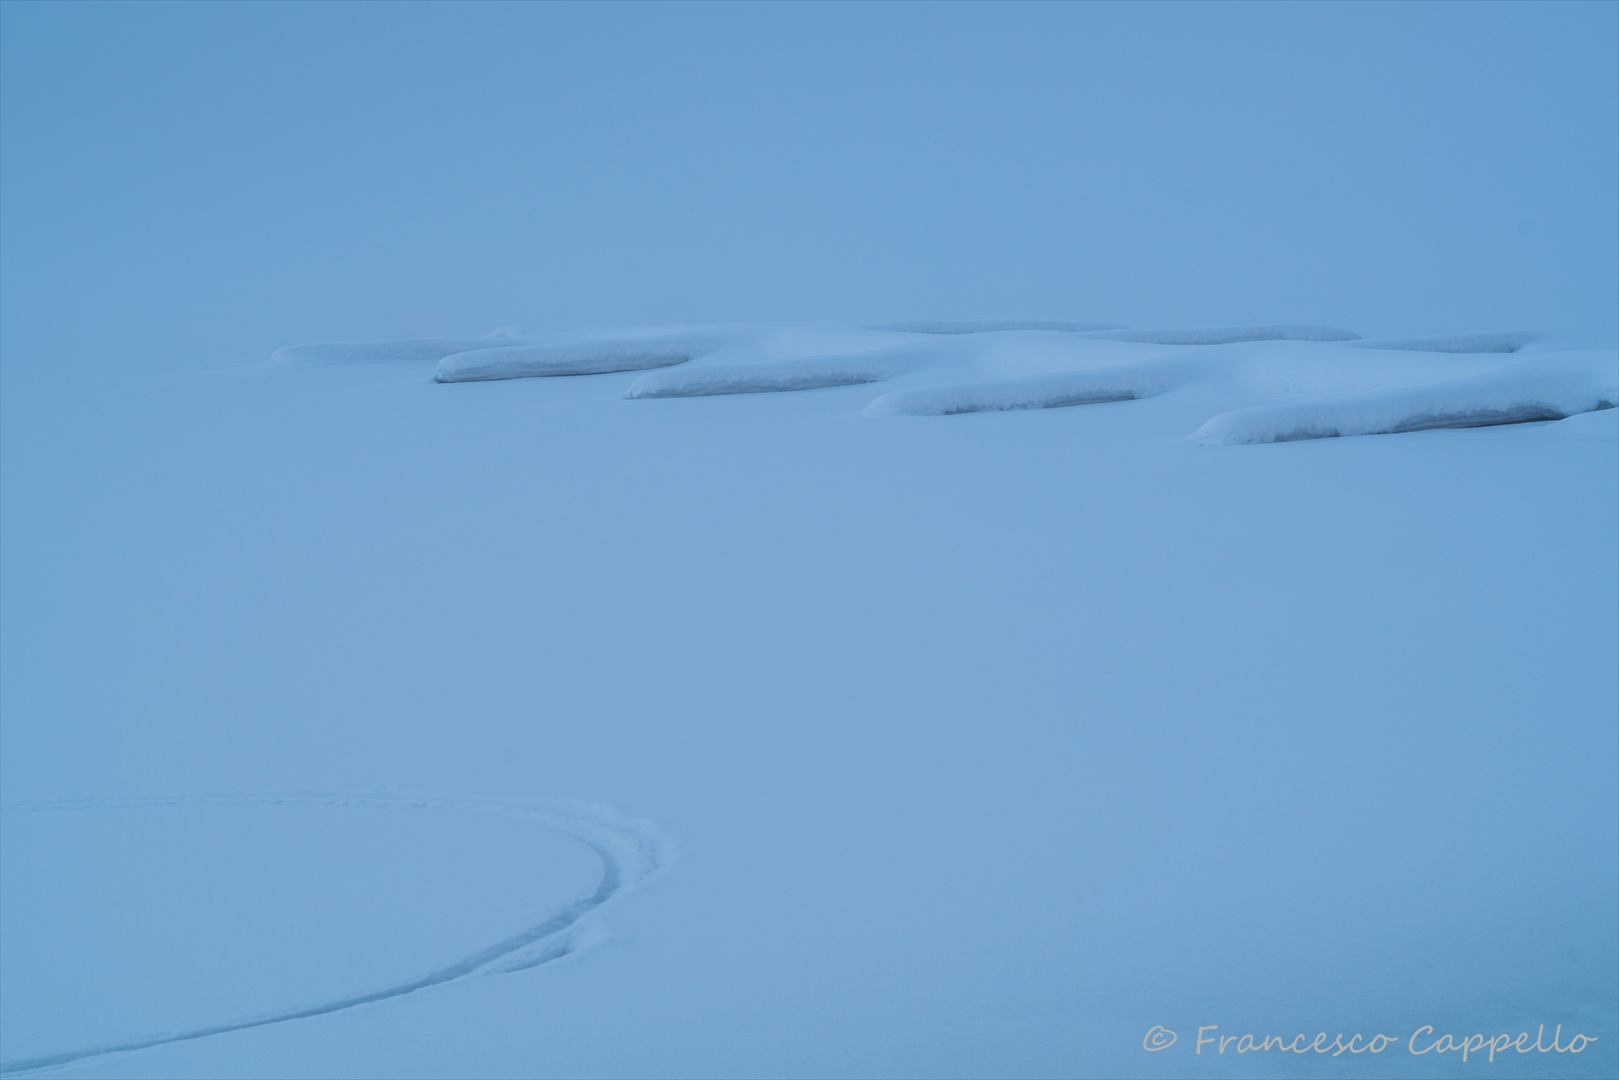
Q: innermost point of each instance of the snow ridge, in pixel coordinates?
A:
(1499, 341)
(633, 852)
(1545, 388)
(1262, 383)
(806, 373)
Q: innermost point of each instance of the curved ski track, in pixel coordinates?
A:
(632, 853)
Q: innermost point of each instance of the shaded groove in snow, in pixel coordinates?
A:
(592, 352)
(632, 853)
(1121, 382)
(530, 361)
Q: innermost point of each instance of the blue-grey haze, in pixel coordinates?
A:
(224, 179)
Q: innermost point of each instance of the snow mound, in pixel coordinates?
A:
(1288, 391)
(584, 353)
(1544, 388)
(812, 356)
(808, 373)
(359, 352)
(1263, 383)
(1227, 335)
(990, 326)
(1497, 341)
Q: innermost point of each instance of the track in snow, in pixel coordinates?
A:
(632, 853)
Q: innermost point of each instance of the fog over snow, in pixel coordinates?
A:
(989, 540)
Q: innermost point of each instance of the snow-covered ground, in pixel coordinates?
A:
(1011, 692)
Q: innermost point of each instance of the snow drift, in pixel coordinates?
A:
(1545, 388)
(1264, 383)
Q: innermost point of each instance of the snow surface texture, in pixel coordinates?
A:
(994, 740)
(632, 852)
(1286, 382)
